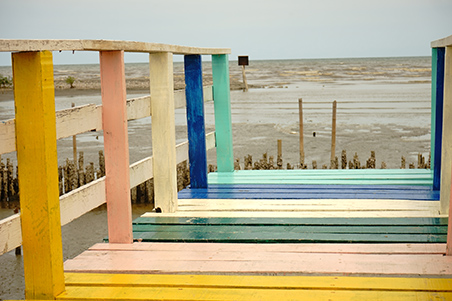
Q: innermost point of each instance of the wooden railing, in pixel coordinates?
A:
(36, 127)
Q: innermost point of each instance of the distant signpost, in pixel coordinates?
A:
(243, 61)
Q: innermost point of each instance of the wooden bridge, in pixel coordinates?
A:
(239, 235)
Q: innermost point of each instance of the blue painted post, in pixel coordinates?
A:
(222, 108)
(195, 121)
(437, 112)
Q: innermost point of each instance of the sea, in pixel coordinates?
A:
(383, 104)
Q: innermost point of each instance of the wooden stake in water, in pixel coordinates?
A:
(244, 79)
(333, 133)
(74, 145)
(300, 112)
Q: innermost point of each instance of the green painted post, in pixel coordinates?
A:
(222, 107)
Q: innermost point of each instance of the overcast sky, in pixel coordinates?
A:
(263, 29)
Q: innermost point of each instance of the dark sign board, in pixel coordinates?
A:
(243, 60)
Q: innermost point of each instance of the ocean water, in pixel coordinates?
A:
(383, 105)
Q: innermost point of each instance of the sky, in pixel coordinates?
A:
(263, 29)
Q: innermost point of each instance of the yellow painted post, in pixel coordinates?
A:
(38, 168)
(163, 131)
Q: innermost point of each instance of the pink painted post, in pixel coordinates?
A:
(116, 146)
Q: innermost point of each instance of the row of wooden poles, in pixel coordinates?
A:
(267, 162)
(74, 174)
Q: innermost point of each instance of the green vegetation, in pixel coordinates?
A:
(5, 81)
(70, 80)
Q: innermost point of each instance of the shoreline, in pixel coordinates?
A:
(134, 86)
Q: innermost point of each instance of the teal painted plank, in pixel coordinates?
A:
(326, 177)
(277, 229)
(222, 108)
(285, 237)
(416, 221)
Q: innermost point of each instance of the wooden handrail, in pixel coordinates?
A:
(10, 45)
(87, 197)
(82, 119)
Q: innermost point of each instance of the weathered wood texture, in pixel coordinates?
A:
(222, 107)
(116, 146)
(37, 155)
(444, 42)
(283, 259)
(240, 287)
(446, 155)
(11, 45)
(88, 118)
(195, 121)
(163, 131)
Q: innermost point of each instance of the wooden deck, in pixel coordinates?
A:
(246, 235)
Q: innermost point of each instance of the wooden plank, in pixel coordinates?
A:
(10, 234)
(37, 155)
(163, 131)
(177, 293)
(195, 121)
(82, 200)
(12, 45)
(344, 193)
(308, 204)
(292, 221)
(222, 108)
(116, 146)
(446, 157)
(444, 42)
(7, 136)
(262, 263)
(213, 229)
(430, 248)
(274, 282)
(82, 119)
(437, 115)
(304, 214)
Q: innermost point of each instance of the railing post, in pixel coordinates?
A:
(222, 108)
(195, 121)
(116, 146)
(34, 98)
(446, 156)
(437, 114)
(163, 131)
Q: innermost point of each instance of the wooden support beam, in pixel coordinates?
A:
(116, 146)
(437, 113)
(195, 121)
(163, 131)
(446, 155)
(222, 108)
(38, 166)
